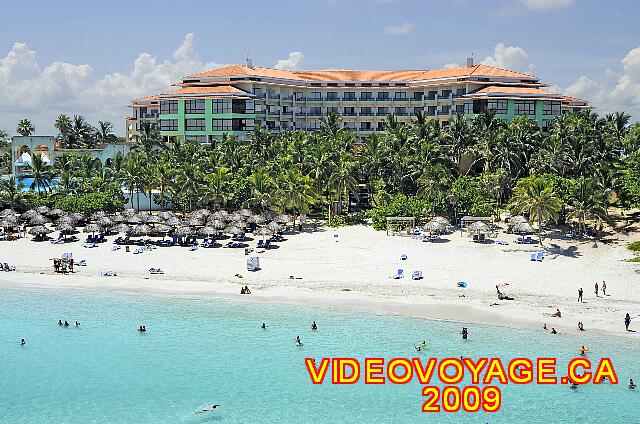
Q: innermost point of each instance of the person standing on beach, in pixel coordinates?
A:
(604, 288)
(580, 291)
(596, 290)
(627, 321)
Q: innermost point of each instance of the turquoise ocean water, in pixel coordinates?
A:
(197, 352)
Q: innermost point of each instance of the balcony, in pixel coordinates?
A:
(332, 99)
(382, 113)
(301, 114)
(287, 115)
(400, 99)
(366, 99)
(273, 112)
(383, 99)
(349, 114)
(314, 99)
(299, 98)
(287, 97)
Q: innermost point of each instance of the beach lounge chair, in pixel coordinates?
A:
(89, 245)
(475, 238)
(399, 274)
(7, 267)
(192, 248)
(267, 244)
(115, 247)
(518, 240)
(538, 256)
(417, 275)
(109, 274)
(502, 242)
(260, 244)
(155, 271)
(138, 250)
(82, 262)
(482, 238)
(528, 240)
(462, 284)
(403, 257)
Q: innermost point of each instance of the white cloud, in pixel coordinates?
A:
(402, 29)
(41, 93)
(547, 4)
(292, 63)
(618, 90)
(451, 65)
(512, 58)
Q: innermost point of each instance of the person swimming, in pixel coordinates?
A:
(263, 326)
(22, 342)
(573, 385)
(464, 333)
(208, 408)
(298, 341)
(632, 385)
(77, 324)
(314, 326)
(66, 324)
(142, 329)
(60, 322)
(422, 345)
(583, 351)
(544, 327)
(553, 331)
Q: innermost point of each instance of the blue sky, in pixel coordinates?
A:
(92, 57)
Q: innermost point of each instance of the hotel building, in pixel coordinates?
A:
(235, 99)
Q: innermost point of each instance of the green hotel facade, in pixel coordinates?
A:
(236, 99)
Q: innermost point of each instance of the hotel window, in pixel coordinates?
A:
(431, 95)
(400, 95)
(298, 95)
(551, 108)
(349, 111)
(271, 93)
(417, 110)
(224, 124)
(249, 106)
(238, 106)
(468, 108)
(431, 110)
(313, 125)
(366, 95)
(547, 123)
(525, 107)
(445, 110)
(365, 111)
(418, 95)
(400, 111)
(459, 109)
(332, 110)
(350, 125)
(221, 106)
(257, 91)
(249, 124)
(194, 106)
(168, 125)
(194, 124)
(315, 111)
(380, 126)
(332, 95)
(169, 107)
(461, 91)
(445, 93)
(383, 95)
(383, 111)
(365, 126)
(315, 95)
(349, 95)
(500, 106)
(479, 106)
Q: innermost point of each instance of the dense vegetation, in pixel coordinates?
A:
(577, 169)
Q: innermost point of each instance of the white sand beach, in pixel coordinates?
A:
(352, 270)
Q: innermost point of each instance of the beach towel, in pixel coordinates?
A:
(109, 274)
(462, 284)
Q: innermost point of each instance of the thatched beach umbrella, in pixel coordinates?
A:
(236, 216)
(153, 219)
(39, 230)
(133, 219)
(96, 216)
(441, 220)
(65, 219)
(217, 224)
(43, 210)
(119, 218)
(65, 227)
(39, 219)
(245, 212)
(56, 212)
(8, 212)
(233, 230)
(142, 230)
(195, 222)
(274, 227)
(121, 228)
(162, 228)
(262, 231)
(166, 215)
(283, 219)
(270, 215)
(92, 228)
(523, 228)
(207, 231)
(173, 221)
(183, 231)
(255, 219)
(224, 215)
(479, 227)
(128, 212)
(28, 215)
(105, 221)
(143, 216)
(435, 226)
(78, 217)
(239, 224)
(8, 222)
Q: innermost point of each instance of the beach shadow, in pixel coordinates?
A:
(439, 241)
(569, 252)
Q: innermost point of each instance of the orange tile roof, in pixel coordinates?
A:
(363, 75)
(216, 89)
(147, 98)
(502, 89)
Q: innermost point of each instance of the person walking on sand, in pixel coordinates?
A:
(580, 291)
(627, 321)
(596, 290)
(604, 288)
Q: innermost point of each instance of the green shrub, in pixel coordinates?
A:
(91, 202)
(634, 247)
(355, 218)
(399, 205)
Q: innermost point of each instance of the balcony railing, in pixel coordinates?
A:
(299, 98)
(301, 113)
(382, 113)
(332, 99)
(366, 99)
(287, 97)
(273, 96)
(349, 114)
(400, 99)
(383, 99)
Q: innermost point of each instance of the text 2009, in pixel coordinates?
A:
(469, 399)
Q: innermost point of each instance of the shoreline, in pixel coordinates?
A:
(344, 301)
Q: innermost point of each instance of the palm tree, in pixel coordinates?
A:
(42, 173)
(589, 202)
(262, 189)
(104, 133)
(343, 180)
(63, 125)
(535, 197)
(218, 184)
(295, 191)
(25, 127)
(12, 194)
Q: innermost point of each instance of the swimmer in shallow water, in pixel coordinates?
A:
(573, 385)
(66, 324)
(632, 385)
(465, 333)
(553, 331)
(23, 343)
(263, 326)
(208, 409)
(583, 350)
(422, 345)
(60, 322)
(298, 341)
(314, 326)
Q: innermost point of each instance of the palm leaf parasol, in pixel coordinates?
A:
(38, 230)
